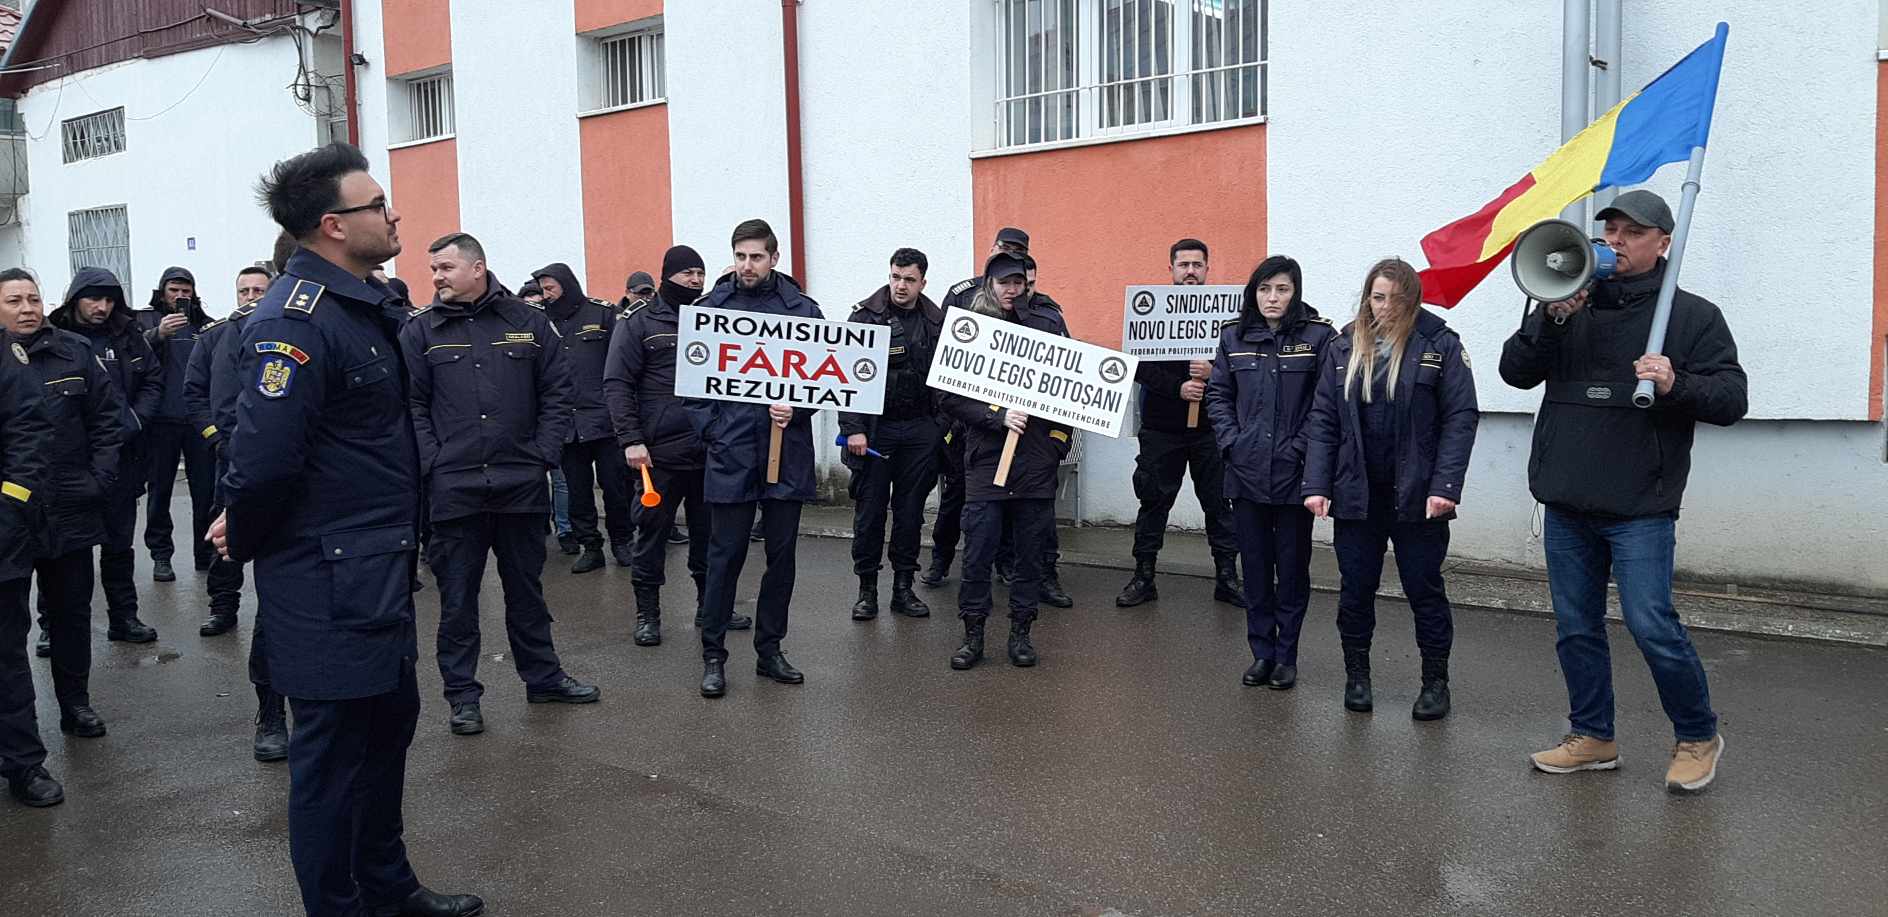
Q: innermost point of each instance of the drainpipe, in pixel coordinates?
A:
(796, 196)
(1575, 33)
(350, 92)
(1608, 45)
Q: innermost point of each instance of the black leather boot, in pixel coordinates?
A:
(128, 629)
(591, 559)
(1022, 653)
(648, 616)
(904, 601)
(1050, 593)
(1357, 695)
(36, 788)
(1433, 702)
(1226, 585)
(271, 726)
(971, 652)
(940, 570)
(1141, 587)
(866, 608)
(714, 678)
(82, 721)
(220, 622)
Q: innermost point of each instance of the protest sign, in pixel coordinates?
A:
(1172, 322)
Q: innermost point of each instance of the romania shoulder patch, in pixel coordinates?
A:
(285, 349)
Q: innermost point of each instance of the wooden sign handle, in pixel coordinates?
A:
(1009, 454)
(773, 451)
(1193, 415)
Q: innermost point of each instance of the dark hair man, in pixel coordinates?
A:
(905, 434)
(323, 494)
(734, 481)
(656, 432)
(211, 387)
(60, 423)
(590, 458)
(1618, 517)
(491, 403)
(171, 325)
(95, 309)
(1171, 391)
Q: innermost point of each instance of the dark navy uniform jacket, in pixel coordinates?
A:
(1040, 450)
(210, 381)
(26, 446)
(490, 399)
(1435, 416)
(639, 384)
(323, 482)
(1258, 397)
(583, 327)
(735, 434)
(86, 410)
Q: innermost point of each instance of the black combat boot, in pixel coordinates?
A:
(940, 569)
(1141, 588)
(1433, 702)
(904, 601)
(1357, 679)
(1022, 654)
(971, 652)
(866, 608)
(648, 616)
(592, 559)
(271, 726)
(1226, 585)
(220, 622)
(1050, 593)
(128, 629)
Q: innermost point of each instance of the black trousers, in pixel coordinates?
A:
(587, 466)
(457, 554)
(1051, 554)
(167, 442)
(652, 526)
(117, 561)
(20, 747)
(949, 526)
(1421, 548)
(1164, 459)
(727, 553)
(899, 482)
(347, 779)
(1031, 521)
(1275, 549)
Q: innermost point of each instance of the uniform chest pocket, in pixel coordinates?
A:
(70, 387)
(1245, 362)
(372, 372)
(1428, 373)
(594, 336)
(518, 352)
(371, 576)
(447, 354)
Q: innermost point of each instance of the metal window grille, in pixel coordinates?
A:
(100, 237)
(1071, 69)
(631, 69)
(429, 107)
(94, 135)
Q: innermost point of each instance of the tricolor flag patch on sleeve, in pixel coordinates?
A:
(285, 349)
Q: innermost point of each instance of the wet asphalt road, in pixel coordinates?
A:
(1129, 773)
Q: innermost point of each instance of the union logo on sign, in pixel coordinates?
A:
(697, 353)
(1114, 369)
(1143, 303)
(965, 330)
(864, 370)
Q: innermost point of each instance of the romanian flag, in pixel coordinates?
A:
(1656, 125)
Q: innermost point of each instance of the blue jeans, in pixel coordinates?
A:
(1581, 549)
(560, 502)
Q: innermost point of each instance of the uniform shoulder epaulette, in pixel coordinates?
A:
(421, 311)
(1319, 319)
(964, 286)
(302, 299)
(632, 308)
(206, 328)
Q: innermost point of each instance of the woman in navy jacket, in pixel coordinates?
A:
(1260, 391)
(1387, 447)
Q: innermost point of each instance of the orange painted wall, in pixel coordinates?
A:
(1101, 217)
(601, 14)
(1875, 342)
(426, 193)
(418, 34)
(627, 219)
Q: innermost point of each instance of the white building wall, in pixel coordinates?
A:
(371, 99)
(514, 83)
(201, 127)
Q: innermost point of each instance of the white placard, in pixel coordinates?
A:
(730, 355)
(1049, 376)
(1177, 322)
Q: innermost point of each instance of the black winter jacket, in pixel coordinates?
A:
(210, 386)
(128, 360)
(639, 384)
(1040, 450)
(173, 353)
(86, 410)
(1260, 392)
(1593, 451)
(26, 448)
(583, 328)
(1435, 415)
(909, 359)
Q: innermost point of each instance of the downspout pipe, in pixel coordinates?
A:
(1608, 45)
(1575, 37)
(350, 91)
(796, 191)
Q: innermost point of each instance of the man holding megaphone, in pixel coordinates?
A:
(1612, 475)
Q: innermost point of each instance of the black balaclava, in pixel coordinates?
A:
(674, 261)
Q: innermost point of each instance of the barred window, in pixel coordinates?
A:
(100, 237)
(630, 69)
(94, 135)
(427, 110)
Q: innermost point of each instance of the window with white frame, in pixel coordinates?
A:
(100, 237)
(94, 135)
(421, 107)
(625, 67)
(1075, 69)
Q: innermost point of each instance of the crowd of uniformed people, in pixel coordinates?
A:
(333, 432)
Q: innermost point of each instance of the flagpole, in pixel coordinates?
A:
(1668, 285)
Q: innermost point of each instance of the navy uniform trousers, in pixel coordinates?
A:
(1421, 548)
(1163, 461)
(65, 587)
(729, 524)
(1275, 550)
(116, 563)
(986, 522)
(949, 526)
(899, 482)
(653, 523)
(167, 441)
(225, 584)
(456, 552)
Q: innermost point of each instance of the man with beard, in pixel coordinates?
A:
(95, 310)
(322, 492)
(590, 458)
(490, 399)
(171, 326)
(1171, 392)
(656, 432)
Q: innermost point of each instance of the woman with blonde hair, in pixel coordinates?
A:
(1387, 447)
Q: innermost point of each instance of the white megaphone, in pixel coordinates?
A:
(1554, 259)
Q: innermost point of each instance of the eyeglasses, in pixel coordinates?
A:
(379, 205)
